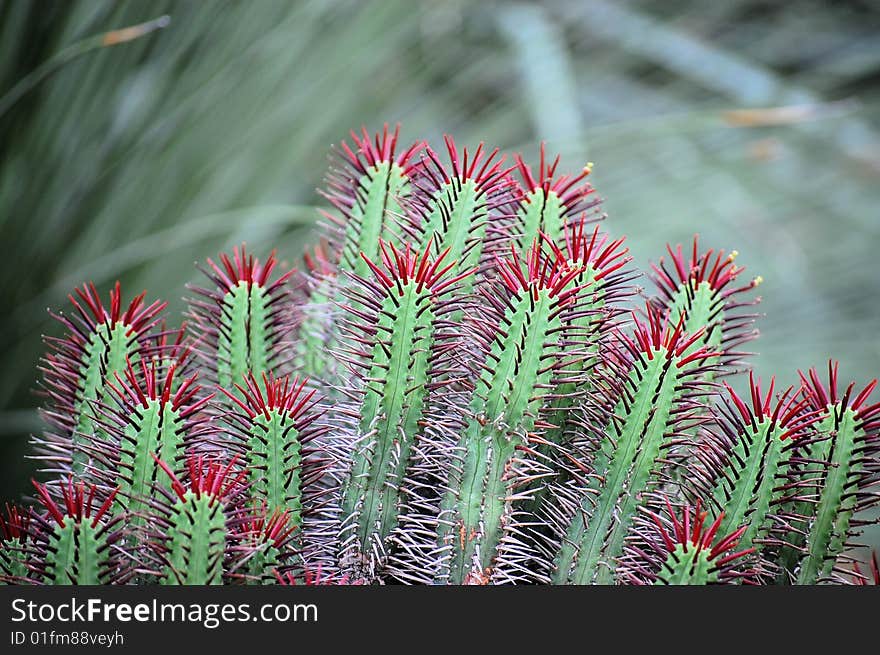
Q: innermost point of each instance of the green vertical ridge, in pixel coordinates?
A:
(502, 412)
(624, 466)
(197, 540)
(108, 351)
(392, 406)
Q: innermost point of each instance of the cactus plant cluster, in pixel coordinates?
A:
(462, 384)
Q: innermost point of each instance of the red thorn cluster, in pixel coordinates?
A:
(570, 189)
(786, 412)
(660, 334)
(138, 316)
(274, 528)
(486, 170)
(400, 267)
(690, 531)
(78, 500)
(820, 396)
(542, 271)
(150, 386)
(372, 152)
(210, 478)
(281, 394)
(14, 526)
(697, 268)
(318, 262)
(244, 268)
(590, 248)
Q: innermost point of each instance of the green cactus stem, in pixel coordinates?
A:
(149, 412)
(199, 523)
(74, 543)
(267, 539)
(366, 192)
(745, 456)
(684, 551)
(600, 262)
(701, 288)
(392, 354)
(464, 208)
(522, 335)
(549, 203)
(833, 485)
(241, 323)
(271, 436)
(657, 398)
(97, 346)
(14, 530)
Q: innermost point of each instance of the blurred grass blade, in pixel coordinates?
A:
(68, 54)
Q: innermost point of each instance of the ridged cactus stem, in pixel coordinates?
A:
(684, 550)
(748, 484)
(590, 319)
(548, 204)
(626, 463)
(75, 540)
(520, 366)
(394, 357)
(195, 540)
(462, 207)
(366, 190)
(150, 412)
(198, 531)
(13, 542)
(272, 433)
(842, 458)
(99, 345)
(699, 289)
(241, 322)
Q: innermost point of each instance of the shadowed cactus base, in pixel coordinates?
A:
(461, 386)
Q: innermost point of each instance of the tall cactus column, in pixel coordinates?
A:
(394, 314)
(654, 403)
(521, 332)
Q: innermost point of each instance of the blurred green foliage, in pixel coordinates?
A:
(754, 123)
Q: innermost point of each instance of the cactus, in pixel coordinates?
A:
(267, 540)
(14, 539)
(366, 190)
(690, 553)
(744, 463)
(148, 414)
(272, 435)
(549, 203)
(98, 344)
(840, 463)
(702, 290)
(242, 322)
(74, 543)
(521, 336)
(394, 355)
(456, 389)
(194, 530)
(657, 382)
